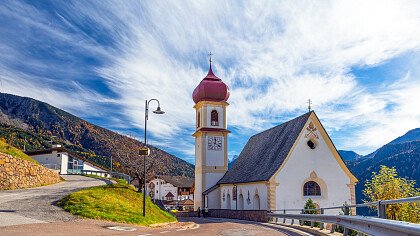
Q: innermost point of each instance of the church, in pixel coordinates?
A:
(279, 168)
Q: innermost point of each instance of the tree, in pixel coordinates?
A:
(387, 185)
(310, 205)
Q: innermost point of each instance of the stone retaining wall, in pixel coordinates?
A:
(18, 173)
(251, 215)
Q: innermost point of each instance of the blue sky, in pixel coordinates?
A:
(358, 61)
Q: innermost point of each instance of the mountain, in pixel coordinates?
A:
(349, 155)
(412, 135)
(403, 153)
(231, 162)
(30, 124)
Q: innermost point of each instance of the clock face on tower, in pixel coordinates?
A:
(214, 143)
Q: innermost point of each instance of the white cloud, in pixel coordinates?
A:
(274, 55)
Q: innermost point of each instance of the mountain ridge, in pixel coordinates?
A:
(29, 123)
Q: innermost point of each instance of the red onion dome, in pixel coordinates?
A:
(211, 88)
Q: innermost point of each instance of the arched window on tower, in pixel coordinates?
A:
(311, 188)
(214, 118)
(198, 120)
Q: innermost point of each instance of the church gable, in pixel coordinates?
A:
(312, 138)
(265, 152)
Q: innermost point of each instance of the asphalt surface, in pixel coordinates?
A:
(37, 205)
(33, 212)
(195, 226)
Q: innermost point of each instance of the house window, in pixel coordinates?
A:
(214, 118)
(311, 188)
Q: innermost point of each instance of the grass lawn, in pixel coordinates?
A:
(6, 148)
(118, 202)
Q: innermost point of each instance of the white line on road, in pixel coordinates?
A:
(181, 229)
(144, 234)
(164, 232)
(195, 227)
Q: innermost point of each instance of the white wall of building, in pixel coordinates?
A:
(162, 188)
(297, 170)
(254, 189)
(55, 160)
(219, 110)
(215, 157)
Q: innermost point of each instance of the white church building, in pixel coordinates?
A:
(280, 168)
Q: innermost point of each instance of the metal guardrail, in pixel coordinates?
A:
(362, 224)
(108, 174)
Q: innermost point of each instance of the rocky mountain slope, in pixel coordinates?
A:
(29, 124)
(403, 153)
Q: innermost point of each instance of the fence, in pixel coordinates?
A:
(107, 174)
(361, 224)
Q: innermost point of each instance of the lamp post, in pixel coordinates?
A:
(146, 117)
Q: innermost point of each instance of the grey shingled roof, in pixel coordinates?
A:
(264, 153)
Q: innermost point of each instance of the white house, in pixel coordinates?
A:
(171, 188)
(280, 168)
(63, 160)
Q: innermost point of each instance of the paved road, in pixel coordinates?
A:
(202, 227)
(36, 205)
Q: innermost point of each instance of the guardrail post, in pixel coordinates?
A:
(346, 212)
(332, 228)
(381, 210)
(293, 221)
(284, 219)
(301, 221)
(321, 224)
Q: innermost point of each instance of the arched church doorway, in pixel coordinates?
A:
(228, 205)
(241, 202)
(256, 202)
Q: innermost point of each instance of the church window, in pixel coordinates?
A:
(311, 188)
(198, 120)
(311, 144)
(214, 118)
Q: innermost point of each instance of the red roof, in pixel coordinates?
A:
(211, 88)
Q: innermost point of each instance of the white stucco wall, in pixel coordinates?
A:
(219, 110)
(252, 188)
(297, 170)
(213, 199)
(54, 160)
(212, 178)
(213, 157)
(162, 188)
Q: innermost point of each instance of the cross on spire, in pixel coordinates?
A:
(309, 104)
(210, 54)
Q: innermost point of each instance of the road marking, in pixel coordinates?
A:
(164, 232)
(195, 227)
(10, 195)
(122, 228)
(181, 229)
(144, 234)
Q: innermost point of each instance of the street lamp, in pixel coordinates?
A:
(146, 117)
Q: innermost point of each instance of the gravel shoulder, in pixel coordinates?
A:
(37, 205)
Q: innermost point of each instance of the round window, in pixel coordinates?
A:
(311, 144)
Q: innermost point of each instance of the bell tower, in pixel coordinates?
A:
(211, 160)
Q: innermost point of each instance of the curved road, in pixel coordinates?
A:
(36, 205)
(33, 212)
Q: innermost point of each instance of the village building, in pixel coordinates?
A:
(280, 168)
(64, 161)
(170, 188)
